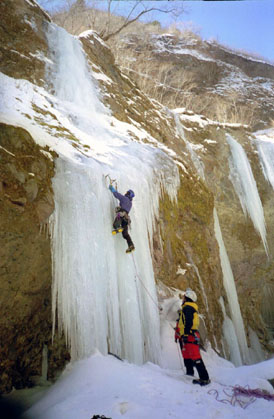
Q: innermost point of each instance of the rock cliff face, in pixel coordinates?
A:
(185, 250)
(23, 45)
(252, 268)
(26, 202)
(203, 76)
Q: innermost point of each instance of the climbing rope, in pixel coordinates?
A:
(157, 305)
(249, 392)
(234, 393)
(137, 276)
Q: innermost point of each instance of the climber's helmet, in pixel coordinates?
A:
(130, 194)
(191, 294)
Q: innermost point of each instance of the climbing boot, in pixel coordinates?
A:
(201, 382)
(117, 230)
(130, 249)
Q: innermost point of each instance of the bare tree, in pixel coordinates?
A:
(138, 9)
(86, 14)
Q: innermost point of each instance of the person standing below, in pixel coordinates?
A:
(122, 219)
(186, 331)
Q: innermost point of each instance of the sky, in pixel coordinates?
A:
(244, 25)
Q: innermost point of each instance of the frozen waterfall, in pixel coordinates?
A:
(265, 146)
(99, 299)
(104, 298)
(245, 186)
(70, 74)
(197, 162)
(231, 292)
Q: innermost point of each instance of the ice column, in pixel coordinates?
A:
(198, 164)
(231, 337)
(231, 292)
(44, 364)
(201, 286)
(69, 73)
(265, 146)
(245, 186)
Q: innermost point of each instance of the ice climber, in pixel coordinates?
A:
(122, 220)
(187, 333)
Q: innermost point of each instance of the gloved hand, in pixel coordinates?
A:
(197, 339)
(185, 338)
(111, 188)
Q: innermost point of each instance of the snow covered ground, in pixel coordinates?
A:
(104, 385)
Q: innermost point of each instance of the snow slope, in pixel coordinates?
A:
(104, 385)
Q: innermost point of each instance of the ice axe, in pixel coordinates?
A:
(111, 181)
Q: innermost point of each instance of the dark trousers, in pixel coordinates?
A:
(192, 357)
(200, 366)
(122, 222)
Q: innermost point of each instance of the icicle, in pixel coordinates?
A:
(231, 292)
(256, 352)
(231, 338)
(201, 285)
(44, 377)
(198, 164)
(265, 146)
(245, 186)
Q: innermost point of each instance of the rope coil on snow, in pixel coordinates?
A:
(232, 399)
(235, 392)
(249, 392)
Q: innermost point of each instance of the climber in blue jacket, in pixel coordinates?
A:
(122, 219)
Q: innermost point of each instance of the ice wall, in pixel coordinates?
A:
(231, 292)
(70, 75)
(245, 186)
(265, 146)
(104, 298)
